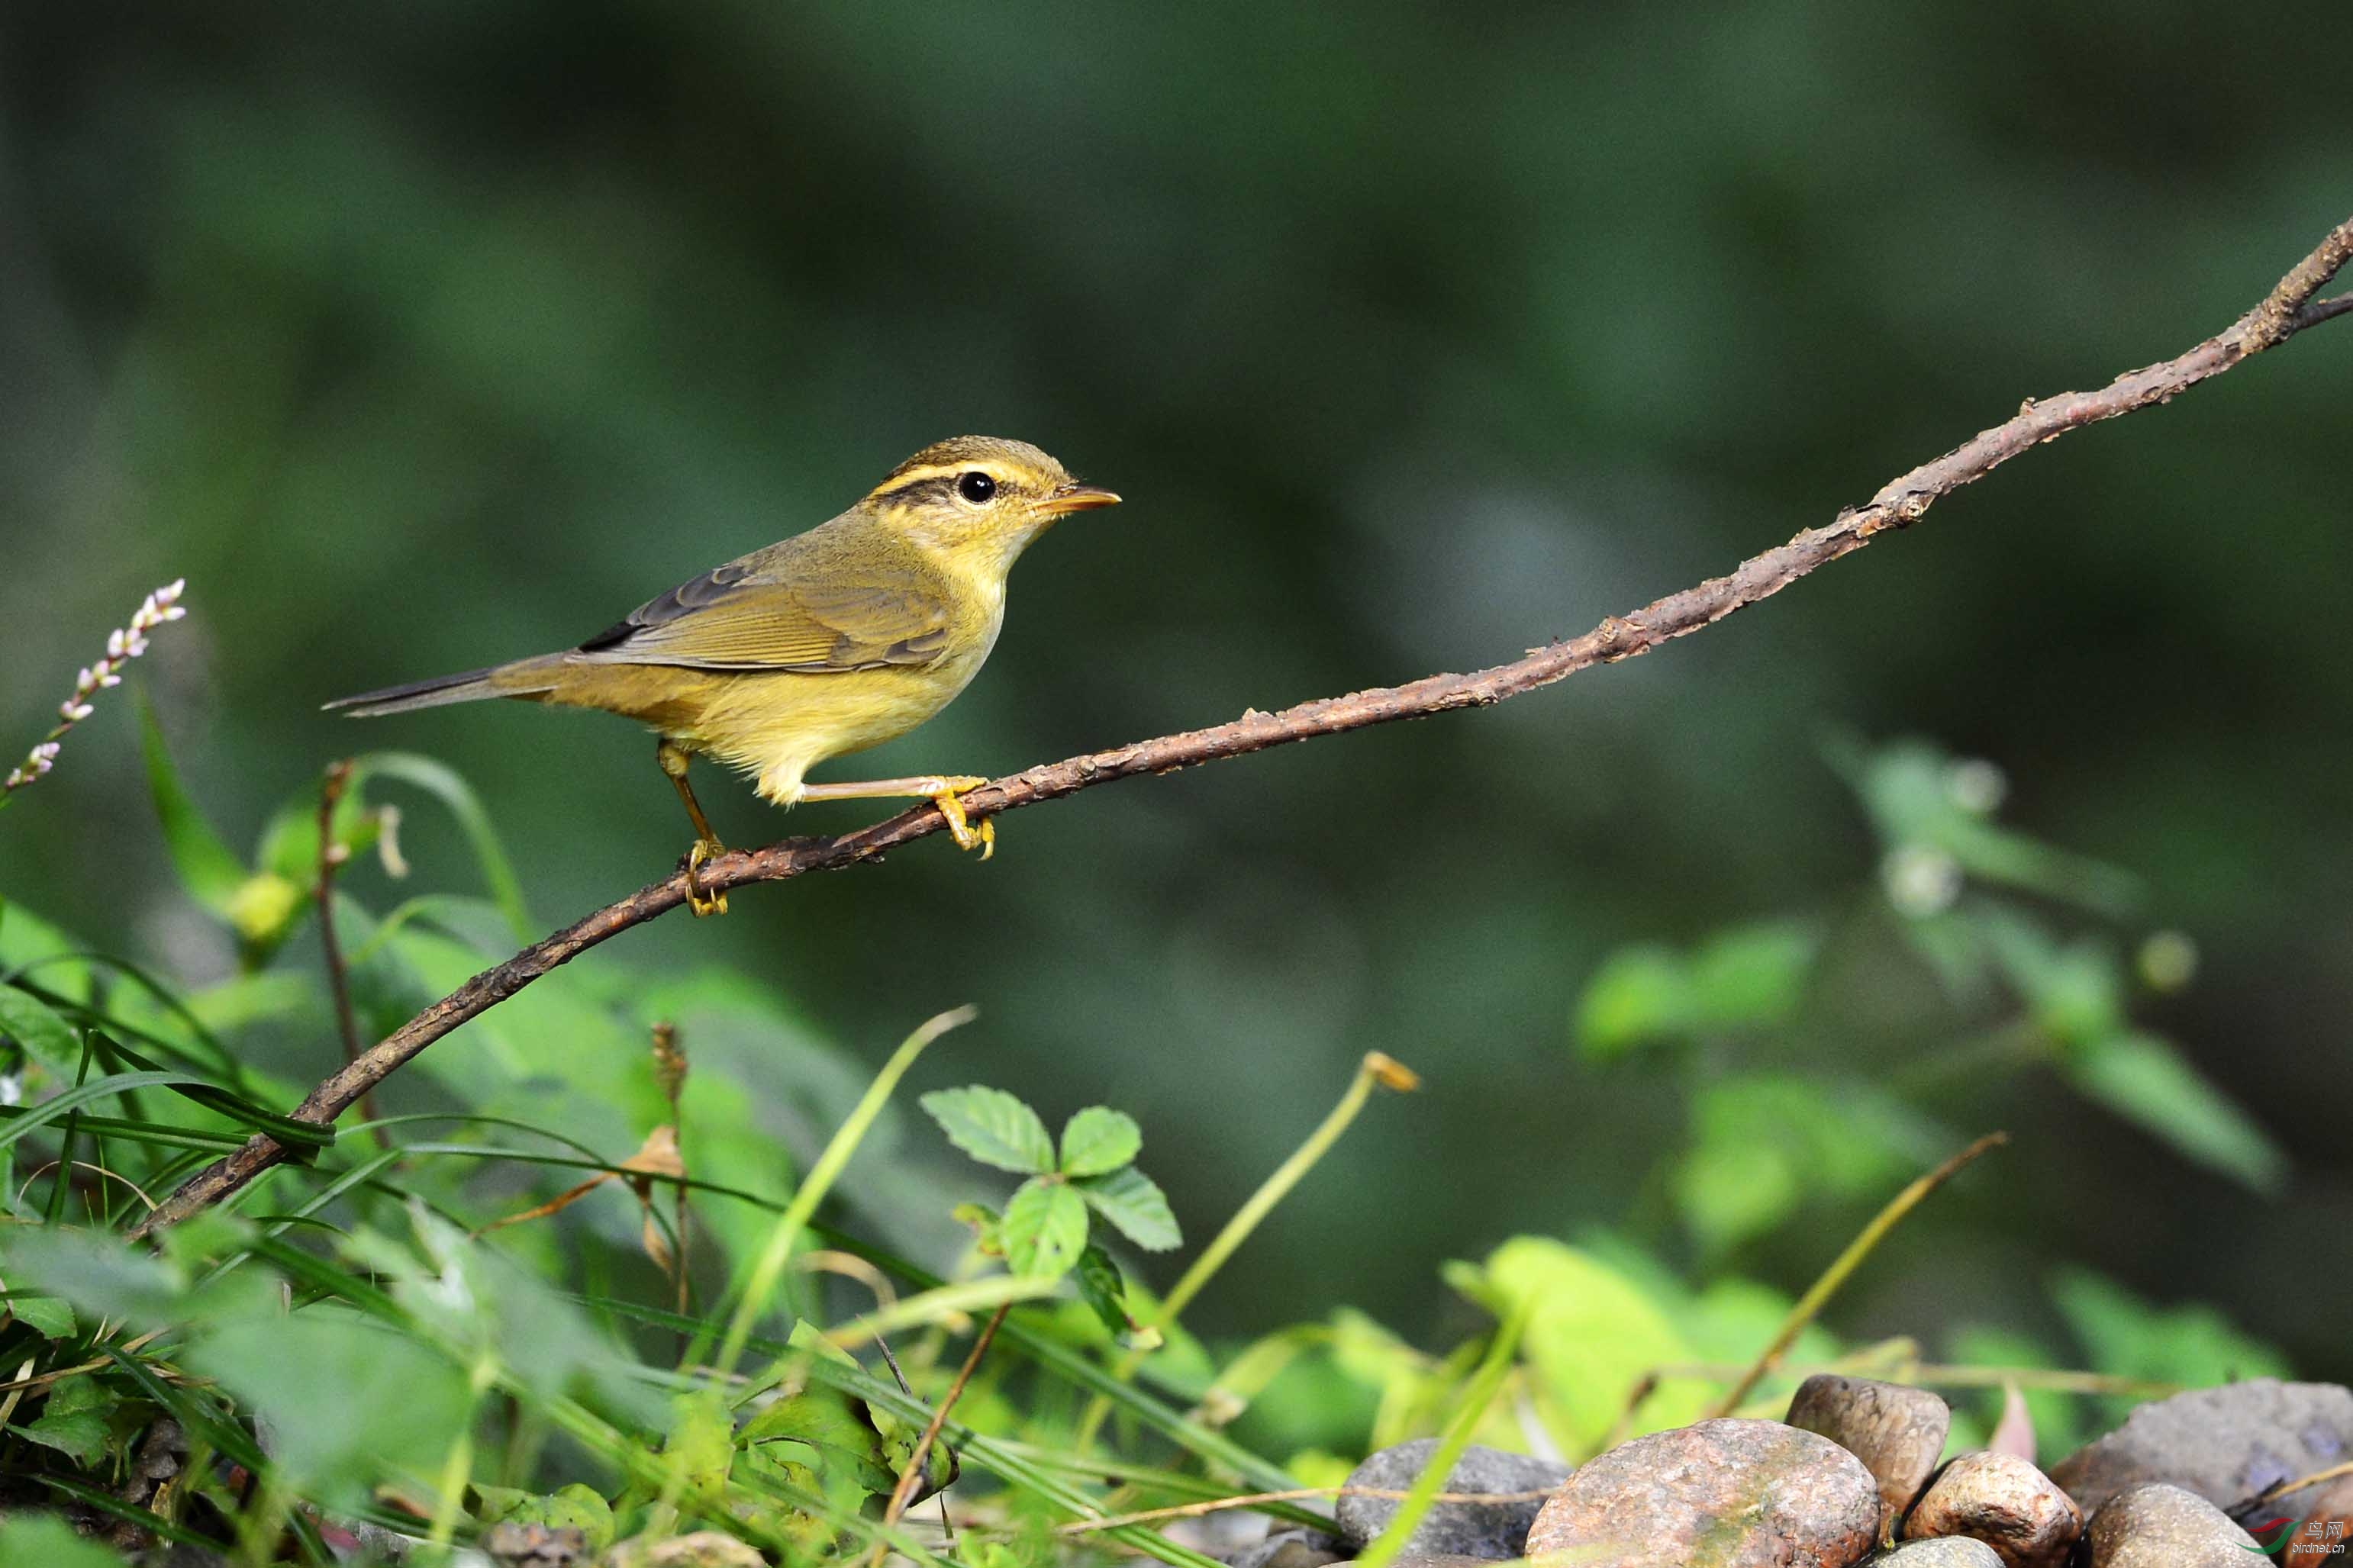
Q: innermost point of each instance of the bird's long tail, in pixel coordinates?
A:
(527, 678)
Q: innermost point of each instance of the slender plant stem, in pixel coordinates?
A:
(332, 856)
(761, 1285)
(914, 1471)
(1375, 1071)
(2289, 308)
(1810, 1304)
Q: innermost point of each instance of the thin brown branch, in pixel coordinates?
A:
(332, 856)
(2287, 310)
(914, 1471)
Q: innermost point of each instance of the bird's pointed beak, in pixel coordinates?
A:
(1077, 498)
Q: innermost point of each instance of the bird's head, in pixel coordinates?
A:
(980, 500)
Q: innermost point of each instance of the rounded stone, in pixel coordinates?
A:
(1720, 1494)
(1492, 1531)
(2224, 1444)
(2159, 1526)
(1946, 1551)
(2004, 1501)
(1296, 1548)
(1898, 1432)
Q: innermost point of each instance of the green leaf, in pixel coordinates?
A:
(1045, 1228)
(2193, 1345)
(701, 1442)
(1763, 1141)
(1132, 1202)
(2146, 1080)
(43, 1538)
(1098, 1141)
(51, 1316)
(351, 1401)
(1593, 1334)
(830, 1421)
(993, 1127)
(210, 872)
(1729, 1192)
(47, 1038)
(73, 1420)
(1103, 1289)
(1753, 976)
(1639, 995)
(443, 783)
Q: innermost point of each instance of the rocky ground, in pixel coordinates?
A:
(1852, 1477)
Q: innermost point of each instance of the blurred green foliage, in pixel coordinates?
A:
(419, 339)
(349, 1307)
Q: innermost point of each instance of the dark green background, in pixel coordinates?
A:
(421, 337)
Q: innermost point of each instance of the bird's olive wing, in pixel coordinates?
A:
(814, 621)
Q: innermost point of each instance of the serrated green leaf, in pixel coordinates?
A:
(993, 1127)
(1134, 1203)
(2147, 1080)
(1045, 1229)
(208, 870)
(47, 1038)
(1099, 1141)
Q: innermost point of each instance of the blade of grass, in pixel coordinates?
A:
(161, 1135)
(1819, 1294)
(762, 1283)
(1476, 1398)
(1376, 1070)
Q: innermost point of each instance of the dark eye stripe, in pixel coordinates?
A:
(931, 488)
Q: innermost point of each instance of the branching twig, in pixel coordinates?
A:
(2288, 308)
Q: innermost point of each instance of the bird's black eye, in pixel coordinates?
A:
(977, 487)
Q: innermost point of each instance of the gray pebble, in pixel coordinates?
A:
(1295, 1548)
(2226, 1444)
(2165, 1527)
(1492, 1532)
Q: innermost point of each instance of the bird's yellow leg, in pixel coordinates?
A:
(942, 790)
(673, 761)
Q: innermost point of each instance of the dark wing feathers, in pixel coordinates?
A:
(709, 589)
(807, 605)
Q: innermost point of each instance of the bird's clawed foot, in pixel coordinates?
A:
(703, 903)
(948, 798)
